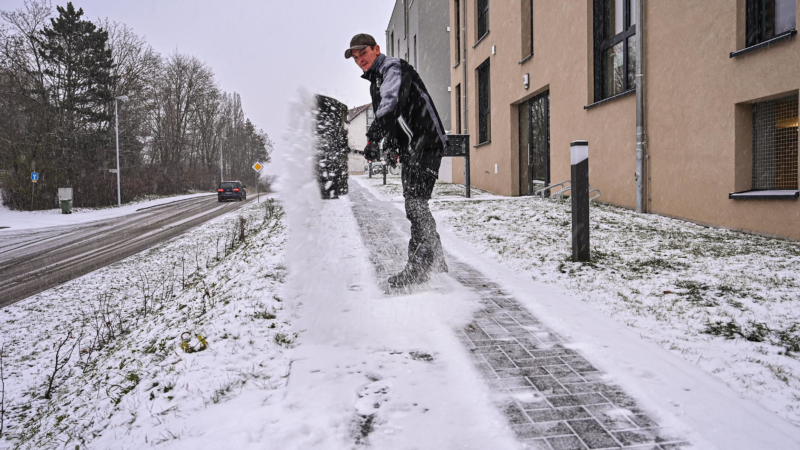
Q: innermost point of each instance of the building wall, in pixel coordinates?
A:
(428, 21)
(692, 91)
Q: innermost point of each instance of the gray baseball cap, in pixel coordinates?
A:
(359, 41)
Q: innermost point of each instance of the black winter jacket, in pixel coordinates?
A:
(403, 110)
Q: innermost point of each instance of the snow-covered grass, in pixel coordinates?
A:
(127, 355)
(726, 301)
(23, 220)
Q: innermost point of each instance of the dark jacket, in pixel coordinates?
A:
(404, 111)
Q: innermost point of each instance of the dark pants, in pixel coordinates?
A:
(425, 247)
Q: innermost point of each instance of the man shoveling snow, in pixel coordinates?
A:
(405, 118)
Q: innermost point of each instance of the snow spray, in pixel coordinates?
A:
(316, 281)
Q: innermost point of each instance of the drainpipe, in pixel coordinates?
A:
(464, 93)
(640, 129)
(464, 65)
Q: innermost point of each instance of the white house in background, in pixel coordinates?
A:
(358, 121)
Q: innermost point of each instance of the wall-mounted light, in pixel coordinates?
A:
(526, 80)
(494, 49)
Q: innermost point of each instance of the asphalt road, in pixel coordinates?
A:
(36, 260)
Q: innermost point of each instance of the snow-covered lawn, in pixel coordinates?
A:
(133, 353)
(728, 302)
(23, 220)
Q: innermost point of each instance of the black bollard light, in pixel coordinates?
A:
(579, 154)
(385, 169)
(370, 169)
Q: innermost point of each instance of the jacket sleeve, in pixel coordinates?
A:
(395, 90)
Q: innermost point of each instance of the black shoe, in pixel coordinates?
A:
(408, 277)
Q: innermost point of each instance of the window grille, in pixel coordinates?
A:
(483, 18)
(484, 103)
(767, 19)
(614, 47)
(775, 144)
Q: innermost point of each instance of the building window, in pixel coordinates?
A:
(527, 27)
(458, 110)
(767, 19)
(484, 103)
(483, 18)
(415, 50)
(391, 43)
(370, 116)
(614, 47)
(775, 144)
(457, 9)
(405, 20)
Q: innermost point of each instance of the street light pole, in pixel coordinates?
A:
(123, 98)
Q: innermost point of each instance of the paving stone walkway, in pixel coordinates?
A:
(553, 398)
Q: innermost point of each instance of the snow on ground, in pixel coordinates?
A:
(726, 301)
(137, 350)
(25, 220)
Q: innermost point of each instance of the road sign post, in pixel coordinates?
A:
(257, 167)
(34, 179)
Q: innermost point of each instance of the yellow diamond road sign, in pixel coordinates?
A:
(257, 167)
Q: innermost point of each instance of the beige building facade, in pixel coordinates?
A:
(721, 82)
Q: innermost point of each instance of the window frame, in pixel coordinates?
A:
(370, 116)
(483, 76)
(482, 19)
(602, 44)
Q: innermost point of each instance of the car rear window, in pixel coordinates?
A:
(227, 185)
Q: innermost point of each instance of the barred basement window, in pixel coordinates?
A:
(484, 103)
(775, 144)
(483, 18)
(767, 19)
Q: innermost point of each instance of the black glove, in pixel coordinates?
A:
(371, 151)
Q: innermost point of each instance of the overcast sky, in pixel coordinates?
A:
(263, 49)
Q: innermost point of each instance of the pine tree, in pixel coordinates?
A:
(79, 66)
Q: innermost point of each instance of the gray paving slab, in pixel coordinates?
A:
(568, 403)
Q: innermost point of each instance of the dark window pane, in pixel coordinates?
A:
(484, 103)
(483, 17)
(457, 10)
(769, 18)
(613, 70)
(632, 62)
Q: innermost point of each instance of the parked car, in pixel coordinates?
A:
(332, 148)
(231, 190)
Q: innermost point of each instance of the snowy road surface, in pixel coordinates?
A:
(37, 259)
